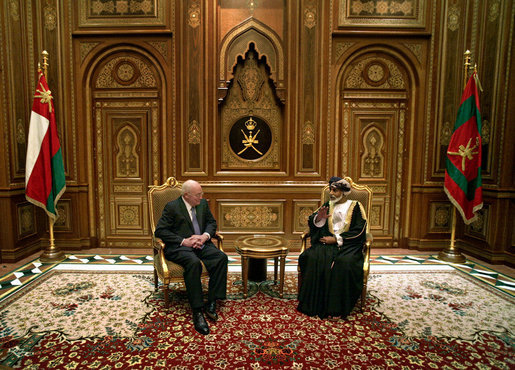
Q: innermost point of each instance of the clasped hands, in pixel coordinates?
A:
(323, 213)
(195, 241)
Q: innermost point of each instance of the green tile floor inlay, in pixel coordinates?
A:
(24, 274)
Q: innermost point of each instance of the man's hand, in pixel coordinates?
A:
(195, 241)
(328, 240)
(323, 213)
(190, 242)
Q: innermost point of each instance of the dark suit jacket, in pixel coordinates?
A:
(175, 223)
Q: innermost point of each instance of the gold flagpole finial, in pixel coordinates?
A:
(466, 66)
(45, 62)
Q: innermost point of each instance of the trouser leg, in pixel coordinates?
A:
(216, 264)
(189, 260)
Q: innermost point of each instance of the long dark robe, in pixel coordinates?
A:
(332, 276)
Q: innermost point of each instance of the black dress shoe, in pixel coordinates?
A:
(211, 310)
(200, 323)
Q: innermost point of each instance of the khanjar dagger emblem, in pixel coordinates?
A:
(466, 152)
(45, 96)
(250, 138)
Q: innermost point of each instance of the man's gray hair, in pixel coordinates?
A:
(187, 186)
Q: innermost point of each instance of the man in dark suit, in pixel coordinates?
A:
(186, 227)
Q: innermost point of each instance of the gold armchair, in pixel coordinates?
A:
(363, 194)
(166, 271)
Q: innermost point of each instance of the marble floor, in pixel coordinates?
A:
(15, 276)
(503, 269)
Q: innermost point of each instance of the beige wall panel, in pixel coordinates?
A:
(136, 14)
(26, 220)
(250, 217)
(440, 216)
(377, 13)
(302, 209)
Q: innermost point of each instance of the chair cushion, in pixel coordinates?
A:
(175, 271)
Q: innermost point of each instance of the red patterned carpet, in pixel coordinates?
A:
(98, 320)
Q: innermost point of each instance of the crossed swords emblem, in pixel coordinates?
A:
(45, 95)
(466, 152)
(250, 140)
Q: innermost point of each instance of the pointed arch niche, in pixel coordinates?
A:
(251, 119)
(251, 89)
(267, 44)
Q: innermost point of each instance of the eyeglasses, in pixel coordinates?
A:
(198, 195)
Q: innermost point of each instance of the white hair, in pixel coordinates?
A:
(188, 185)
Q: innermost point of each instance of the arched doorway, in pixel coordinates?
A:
(125, 95)
(375, 96)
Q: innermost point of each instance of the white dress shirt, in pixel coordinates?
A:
(339, 215)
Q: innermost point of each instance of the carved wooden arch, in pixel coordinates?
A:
(354, 54)
(237, 42)
(90, 67)
(124, 69)
(373, 93)
(105, 52)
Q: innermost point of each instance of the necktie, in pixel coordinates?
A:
(196, 226)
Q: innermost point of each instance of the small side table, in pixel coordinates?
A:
(262, 246)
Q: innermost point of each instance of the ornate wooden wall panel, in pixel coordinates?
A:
(375, 93)
(309, 129)
(481, 27)
(250, 217)
(20, 94)
(125, 91)
(251, 108)
(123, 14)
(376, 159)
(377, 13)
(15, 52)
(194, 127)
(28, 28)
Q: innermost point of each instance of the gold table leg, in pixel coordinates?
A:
(245, 274)
(281, 284)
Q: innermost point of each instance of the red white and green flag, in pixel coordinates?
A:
(463, 166)
(44, 168)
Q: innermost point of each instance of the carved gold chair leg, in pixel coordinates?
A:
(166, 294)
(156, 280)
(363, 297)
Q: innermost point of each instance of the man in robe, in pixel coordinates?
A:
(332, 268)
(186, 227)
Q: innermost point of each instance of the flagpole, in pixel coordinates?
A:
(52, 253)
(451, 254)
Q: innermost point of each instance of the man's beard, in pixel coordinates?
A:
(334, 199)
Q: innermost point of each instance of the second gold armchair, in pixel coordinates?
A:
(363, 194)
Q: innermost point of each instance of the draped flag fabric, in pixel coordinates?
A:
(463, 168)
(44, 168)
